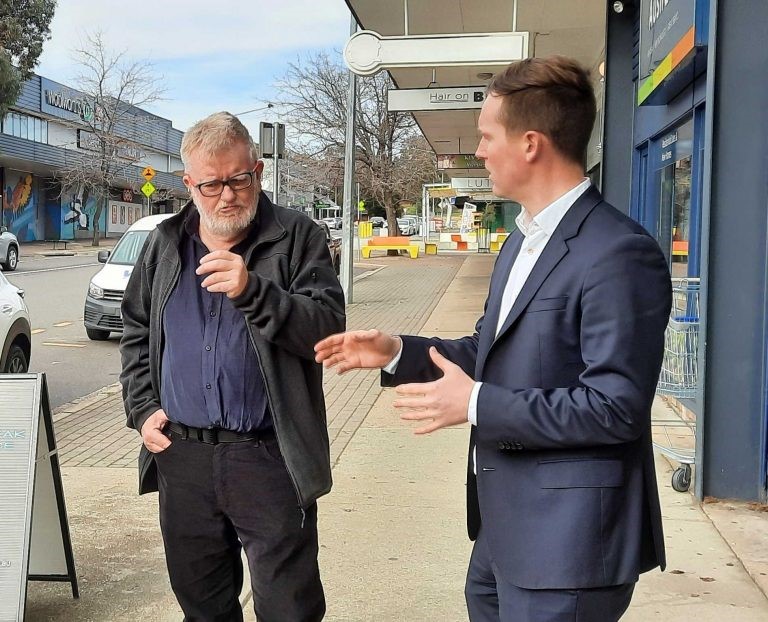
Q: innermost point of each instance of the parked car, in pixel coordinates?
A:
(334, 222)
(334, 245)
(415, 223)
(406, 226)
(377, 222)
(105, 292)
(15, 331)
(9, 250)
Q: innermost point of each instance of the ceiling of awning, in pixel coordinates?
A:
(574, 28)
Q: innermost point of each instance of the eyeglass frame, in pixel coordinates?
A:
(225, 183)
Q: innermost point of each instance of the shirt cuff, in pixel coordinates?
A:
(391, 367)
(472, 409)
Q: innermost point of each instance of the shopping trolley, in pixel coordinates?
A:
(679, 379)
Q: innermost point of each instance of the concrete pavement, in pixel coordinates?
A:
(393, 541)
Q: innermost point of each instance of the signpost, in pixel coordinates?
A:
(33, 518)
(148, 188)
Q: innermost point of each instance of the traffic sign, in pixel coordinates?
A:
(360, 204)
(148, 189)
(148, 173)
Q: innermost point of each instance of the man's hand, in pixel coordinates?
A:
(444, 402)
(357, 349)
(226, 273)
(152, 432)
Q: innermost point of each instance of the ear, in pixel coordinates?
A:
(187, 182)
(259, 169)
(533, 143)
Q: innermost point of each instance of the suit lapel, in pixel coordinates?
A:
(556, 249)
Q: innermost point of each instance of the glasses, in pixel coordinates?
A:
(215, 187)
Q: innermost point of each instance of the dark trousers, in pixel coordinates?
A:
(491, 599)
(215, 499)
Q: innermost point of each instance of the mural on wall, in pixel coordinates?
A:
(77, 212)
(20, 210)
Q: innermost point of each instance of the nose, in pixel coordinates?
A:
(227, 195)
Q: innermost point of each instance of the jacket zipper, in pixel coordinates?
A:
(274, 418)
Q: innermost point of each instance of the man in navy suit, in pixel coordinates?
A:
(558, 378)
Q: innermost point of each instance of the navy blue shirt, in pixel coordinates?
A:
(210, 371)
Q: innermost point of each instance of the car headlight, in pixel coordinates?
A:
(95, 291)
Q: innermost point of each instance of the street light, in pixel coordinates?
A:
(267, 107)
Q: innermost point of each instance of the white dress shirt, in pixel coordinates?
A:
(537, 232)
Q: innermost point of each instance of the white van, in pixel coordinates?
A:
(105, 292)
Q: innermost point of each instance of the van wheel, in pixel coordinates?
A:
(94, 334)
(17, 361)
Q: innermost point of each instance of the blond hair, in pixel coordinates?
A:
(214, 134)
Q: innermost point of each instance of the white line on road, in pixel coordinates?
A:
(63, 345)
(84, 265)
(62, 324)
(36, 331)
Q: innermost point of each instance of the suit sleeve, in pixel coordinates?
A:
(625, 304)
(311, 309)
(416, 366)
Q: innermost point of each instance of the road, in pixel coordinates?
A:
(55, 292)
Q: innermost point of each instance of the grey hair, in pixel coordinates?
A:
(214, 134)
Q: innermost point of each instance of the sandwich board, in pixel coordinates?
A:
(34, 531)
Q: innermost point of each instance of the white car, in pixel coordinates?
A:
(9, 250)
(15, 332)
(105, 293)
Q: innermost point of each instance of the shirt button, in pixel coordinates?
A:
(530, 251)
(213, 313)
(207, 348)
(208, 386)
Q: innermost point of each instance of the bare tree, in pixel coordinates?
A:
(313, 96)
(112, 126)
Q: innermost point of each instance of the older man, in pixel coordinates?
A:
(220, 315)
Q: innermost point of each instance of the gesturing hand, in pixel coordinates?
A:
(226, 273)
(444, 402)
(152, 432)
(357, 349)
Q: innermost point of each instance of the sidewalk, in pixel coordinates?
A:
(40, 248)
(393, 540)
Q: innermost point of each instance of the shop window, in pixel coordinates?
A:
(25, 126)
(675, 215)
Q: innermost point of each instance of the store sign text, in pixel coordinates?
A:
(657, 8)
(80, 107)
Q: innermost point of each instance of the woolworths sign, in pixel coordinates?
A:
(62, 102)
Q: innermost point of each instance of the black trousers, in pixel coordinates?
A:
(492, 599)
(217, 499)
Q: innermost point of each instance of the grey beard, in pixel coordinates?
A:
(226, 227)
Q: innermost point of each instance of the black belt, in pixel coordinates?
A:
(214, 436)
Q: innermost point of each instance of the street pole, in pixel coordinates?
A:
(347, 230)
(275, 170)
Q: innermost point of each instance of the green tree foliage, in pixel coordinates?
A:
(24, 27)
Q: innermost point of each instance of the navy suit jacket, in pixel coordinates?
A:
(565, 487)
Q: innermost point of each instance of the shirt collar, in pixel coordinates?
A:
(548, 218)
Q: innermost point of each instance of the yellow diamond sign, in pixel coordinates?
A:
(148, 173)
(148, 189)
